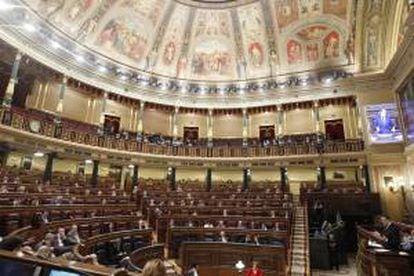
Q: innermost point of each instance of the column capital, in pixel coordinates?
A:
(279, 107)
(19, 55)
(64, 79)
(142, 104)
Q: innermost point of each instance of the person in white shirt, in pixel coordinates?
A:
(193, 270)
(223, 237)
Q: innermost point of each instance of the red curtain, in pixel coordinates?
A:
(267, 132)
(190, 133)
(334, 129)
(112, 124)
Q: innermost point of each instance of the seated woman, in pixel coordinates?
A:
(254, 270)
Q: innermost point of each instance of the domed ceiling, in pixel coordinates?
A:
(210, 40)
(207, 52)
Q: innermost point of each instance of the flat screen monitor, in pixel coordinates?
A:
(56, 272)
(15, 268)
(383, 124)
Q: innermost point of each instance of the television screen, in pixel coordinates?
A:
(14, 268)
(406, 98)
(55, 272)
(383, 123)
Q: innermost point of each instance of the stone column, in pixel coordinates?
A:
(210, 128)
(140, 124)
(209, 181)
(245, 127)
(284, 179)
(103, 110)
(8, 96)
(358, 119)
(95, 173)
(174, 127)
(4, 155)
(316, 117)
(246, 179)
(171, 178)
(367, 178)
(321, 177)
(48, 173)
(135, 176)
(62, 90)
(279, 120)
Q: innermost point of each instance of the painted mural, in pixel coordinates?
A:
(213, 53)
(216, 44)
(78, 8)
(286, 12)
(123, 36)
(211, 57)
(149, 9)
(313, 44)
(252, 27)
(172, 44)
(336, 7)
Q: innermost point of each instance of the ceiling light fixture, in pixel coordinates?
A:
(55, 44)
(102, 69)
(80, 59)
(38, 154)
(29, 27)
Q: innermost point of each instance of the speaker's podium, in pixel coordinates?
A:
(220, 258)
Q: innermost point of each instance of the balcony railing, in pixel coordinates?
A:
(45, 124)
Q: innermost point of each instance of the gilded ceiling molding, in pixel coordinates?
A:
(154, 54)
(182, 63)
(271, 28)
(241, 62)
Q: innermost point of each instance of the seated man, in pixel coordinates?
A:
(390, 234)
(223, 237)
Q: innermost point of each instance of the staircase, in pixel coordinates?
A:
(299, 257)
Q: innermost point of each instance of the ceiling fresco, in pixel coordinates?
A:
(193, 40)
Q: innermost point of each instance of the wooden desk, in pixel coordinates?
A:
(38, 233)
(373, 261)
(199, 234)
(57, 263)
(86, 247)
(217, 258)
(364, 204)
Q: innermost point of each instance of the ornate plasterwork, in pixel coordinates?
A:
(126, 31)
(168, 52)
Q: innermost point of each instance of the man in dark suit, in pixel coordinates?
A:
(390, 233)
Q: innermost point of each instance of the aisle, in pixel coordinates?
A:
(299, 264)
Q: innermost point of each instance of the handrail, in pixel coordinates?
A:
(84, 134)
(62, 264)
(140, 256)
(31, 231)
(80, 249)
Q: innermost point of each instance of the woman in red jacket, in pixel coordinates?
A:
(254, 270)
